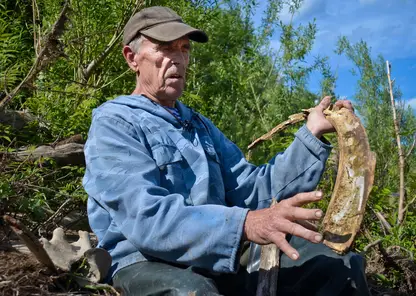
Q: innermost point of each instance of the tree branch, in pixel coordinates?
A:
(89, 70)
(51, 50)
(411, 147)
(370, 245)
(383, 222)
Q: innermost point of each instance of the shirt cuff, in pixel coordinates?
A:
(315, 145)
(236, 251)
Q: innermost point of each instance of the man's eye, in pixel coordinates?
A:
(162, 47)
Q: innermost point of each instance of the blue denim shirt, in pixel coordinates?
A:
(159, 190)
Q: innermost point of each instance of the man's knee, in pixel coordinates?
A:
(322, 269)
(196, 285)
(154, 278)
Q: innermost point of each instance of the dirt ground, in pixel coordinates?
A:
(21, 274)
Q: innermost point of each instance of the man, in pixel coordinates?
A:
(175, 202)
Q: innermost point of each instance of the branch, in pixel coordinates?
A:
(411, 147)
(57, 212)
(89, 70)
(399, 148)
(409, 204)
(370, 245)
(295, 118)
(384, 222)
(51, 50)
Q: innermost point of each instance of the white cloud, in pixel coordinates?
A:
(385, 26)
(411, 103)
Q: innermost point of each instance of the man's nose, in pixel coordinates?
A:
(178, 58)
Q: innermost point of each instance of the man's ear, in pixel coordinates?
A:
(129, 56)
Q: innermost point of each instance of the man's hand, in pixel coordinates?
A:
(317, 123)
(271, 225)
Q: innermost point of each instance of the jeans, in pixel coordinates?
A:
(318, 271)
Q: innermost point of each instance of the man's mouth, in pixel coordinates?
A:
(175, 76)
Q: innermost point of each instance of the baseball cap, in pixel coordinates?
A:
(160, 23)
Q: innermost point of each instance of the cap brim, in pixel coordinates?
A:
(170, 31)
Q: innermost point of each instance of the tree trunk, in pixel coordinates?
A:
(400, 150)
(65, 154)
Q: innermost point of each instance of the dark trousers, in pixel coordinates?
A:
(318, 271)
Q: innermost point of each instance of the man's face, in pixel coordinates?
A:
(162, 68)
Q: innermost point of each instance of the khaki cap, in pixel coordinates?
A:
(160, 23)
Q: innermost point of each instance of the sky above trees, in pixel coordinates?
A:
(388, 26)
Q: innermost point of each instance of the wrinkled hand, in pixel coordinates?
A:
(272, 224)
(317, 123)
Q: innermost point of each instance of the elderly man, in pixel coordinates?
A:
(175, 202)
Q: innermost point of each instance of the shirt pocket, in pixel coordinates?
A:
(171, 166)
(165, 154)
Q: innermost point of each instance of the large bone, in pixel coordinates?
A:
(354, 181)
(64, 254)
(353, 185)
(90, 264)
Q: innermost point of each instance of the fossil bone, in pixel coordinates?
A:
(354, 180)
(78, 257)
(62, 253)
(353, 185)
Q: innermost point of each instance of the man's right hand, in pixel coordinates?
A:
(272, 224)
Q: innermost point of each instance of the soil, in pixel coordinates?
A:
(21, 274)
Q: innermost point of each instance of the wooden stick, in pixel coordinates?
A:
(370, 245)
(269, 269)
(383, 222)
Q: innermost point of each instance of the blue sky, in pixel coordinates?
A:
(388, 26)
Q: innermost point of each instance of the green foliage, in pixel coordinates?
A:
(15, 44)
(237, 79)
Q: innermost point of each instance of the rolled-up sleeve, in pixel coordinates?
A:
(124, 179)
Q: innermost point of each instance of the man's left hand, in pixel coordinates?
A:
(317, 123)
